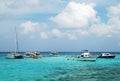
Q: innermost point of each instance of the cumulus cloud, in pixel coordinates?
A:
(112, 26)
(114, 18)
(29, 27)
(43, 35)
(114, 11)
(83, 20)
(57, 33)
(32, 27)
(101, 29)
(75, 21)
(76, 15)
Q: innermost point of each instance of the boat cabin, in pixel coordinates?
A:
(106, 54)
(85, 54)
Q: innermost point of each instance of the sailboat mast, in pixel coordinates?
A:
(16, 41)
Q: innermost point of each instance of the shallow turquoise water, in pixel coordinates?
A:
(59, 69)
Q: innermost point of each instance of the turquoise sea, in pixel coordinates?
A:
(59, 68)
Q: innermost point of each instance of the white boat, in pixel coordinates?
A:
(106, 55)
(15, 55)
(86, 56)
(35, 54)
(54, 53)
(10, 56)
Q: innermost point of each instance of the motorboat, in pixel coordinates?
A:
(54, 53)
(86, 56)
(35, 54)
(106, 55)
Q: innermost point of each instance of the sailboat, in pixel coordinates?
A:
(14, 55)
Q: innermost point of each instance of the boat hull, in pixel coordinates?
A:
(87, 59)
(18, 57)
(106, 56)
(10, 56)
(14, 56)
(53, 55)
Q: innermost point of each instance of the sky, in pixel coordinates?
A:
(60, 25)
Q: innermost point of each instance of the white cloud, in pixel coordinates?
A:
(80, 32)
(43, 35)
(68, 34)
(84, 22)
(57, 33)
(114, 18)
(71, 36)
(76, 15)
(70, 20)
(112, 26)
(100, 29)
(29, 27)
(33, 6)
(19, 7)
(32, 27)
(114, 11)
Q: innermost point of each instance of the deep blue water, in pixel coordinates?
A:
(59, 68)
